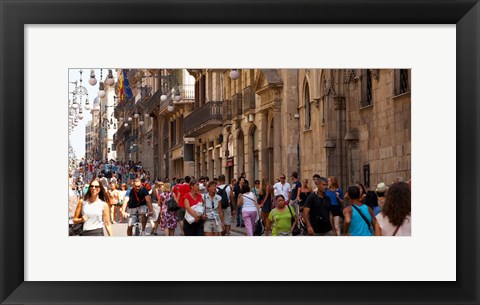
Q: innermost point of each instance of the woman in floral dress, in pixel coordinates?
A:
(168, 222)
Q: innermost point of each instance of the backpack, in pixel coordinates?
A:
(222, 193)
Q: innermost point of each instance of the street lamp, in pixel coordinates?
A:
(101, 92)
(110, 81)
(92, 81)
(75, 105)
(234, 74)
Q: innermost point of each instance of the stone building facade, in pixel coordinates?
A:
(354, 124)
(151, 121)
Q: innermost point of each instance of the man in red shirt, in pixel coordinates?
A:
(179, 192)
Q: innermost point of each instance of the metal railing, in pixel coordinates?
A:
(248, 98)
(227, 110)
(210, 112)
(187, 91)
(237, 104)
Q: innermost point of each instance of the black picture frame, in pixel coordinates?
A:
(465, 14)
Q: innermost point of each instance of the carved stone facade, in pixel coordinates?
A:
(354, 124)
(356, 137)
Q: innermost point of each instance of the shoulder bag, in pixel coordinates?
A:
(369, 225)
(172, 205)
(296, 229)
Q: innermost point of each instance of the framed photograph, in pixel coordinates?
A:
(32, 165)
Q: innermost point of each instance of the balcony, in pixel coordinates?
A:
(227, 110)
(188, 92)
(122, 130)
(237, 105)
(203, 119)
(248, 99)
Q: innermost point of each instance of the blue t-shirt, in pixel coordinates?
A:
(358, 227)
(333, 196)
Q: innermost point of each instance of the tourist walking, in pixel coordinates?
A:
(93, 211)
(214, 222)
(359, 219)
(247, 202)
(395, 217)
(335, 193)
(281, 219)
(167, 219)
(317, 212)
(191, 200)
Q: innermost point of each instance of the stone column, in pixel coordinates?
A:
(277, 140)
(263, 138)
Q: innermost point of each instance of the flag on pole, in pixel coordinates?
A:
(128, 90)
(120, 86)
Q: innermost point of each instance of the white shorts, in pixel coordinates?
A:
(138, 210)
(211, 226)
(227, 216)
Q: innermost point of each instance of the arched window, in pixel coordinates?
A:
(308, 114)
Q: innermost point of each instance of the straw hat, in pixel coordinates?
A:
(381, 188)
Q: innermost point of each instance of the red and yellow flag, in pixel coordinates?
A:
(120, 86)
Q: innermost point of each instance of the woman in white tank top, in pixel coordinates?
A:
(93, 211)
(250, 209)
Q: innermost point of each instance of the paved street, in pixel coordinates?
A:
(120, 229)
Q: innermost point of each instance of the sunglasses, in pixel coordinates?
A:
(95, 186)
(137, 186)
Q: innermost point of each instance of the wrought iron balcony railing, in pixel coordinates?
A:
(237, 104)
(203, 119)
(227, 110)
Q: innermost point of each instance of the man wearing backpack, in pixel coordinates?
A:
(224, 191)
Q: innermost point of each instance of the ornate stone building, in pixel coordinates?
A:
(354, 124)
(151, 121)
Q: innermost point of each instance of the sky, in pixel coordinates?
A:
(77, 138)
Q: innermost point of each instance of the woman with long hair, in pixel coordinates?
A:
(363, 192)
(121, 196)
(167, 219)
(395, 217)
(267, 204)
(249, 207)
(155, 193)
(93, 211)
(303, 192)
(335, 193)
(114, 199)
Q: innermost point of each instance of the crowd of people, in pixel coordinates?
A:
(107, 192)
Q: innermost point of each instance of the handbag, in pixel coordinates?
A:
(369, 225)
(172, 205)
(198, 209)
(259, 228)
(76, 230)
(296, 229)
